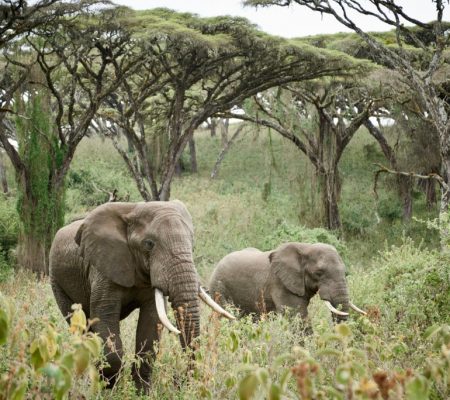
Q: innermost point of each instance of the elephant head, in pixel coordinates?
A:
(307, 269)
(147, 244)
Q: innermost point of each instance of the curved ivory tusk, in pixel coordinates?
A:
(210, 302)
(161, 310)
(334, 310)
(357, 309)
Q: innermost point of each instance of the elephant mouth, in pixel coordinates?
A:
(162, 313)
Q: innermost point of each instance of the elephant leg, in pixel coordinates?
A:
(64, 302)
(284, 300)
(146, 335)
(108, 328)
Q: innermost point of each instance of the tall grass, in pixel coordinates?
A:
(267, 192)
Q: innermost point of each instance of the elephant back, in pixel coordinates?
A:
(240, 277)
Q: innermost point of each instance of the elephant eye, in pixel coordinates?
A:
(319, 273)
(148, 244)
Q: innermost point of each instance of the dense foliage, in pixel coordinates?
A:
(392, 351)
(148, 81)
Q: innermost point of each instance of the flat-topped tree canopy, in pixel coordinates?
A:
(195, 67)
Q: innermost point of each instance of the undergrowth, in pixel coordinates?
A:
(399, 351)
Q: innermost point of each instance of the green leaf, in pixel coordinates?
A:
(234, 342)
(247, 387)
(94, 376)
(285, 378)
(67, 361)
(230, 382)
(78, 321)
(432, 331)
(343, 330)
(263, 375)
(343, 375)
(63, 383)
(94, 345)
(81, 358)
(247, 357)
(18, 393)
(4, 326)
(43, 345)
(36, 360)
(52, 370)
(418, 389)
(329, 352)
(275, 392)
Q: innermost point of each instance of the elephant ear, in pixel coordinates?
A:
(102, 239)
(287, 263)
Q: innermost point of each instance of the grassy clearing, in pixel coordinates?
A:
(266, 192)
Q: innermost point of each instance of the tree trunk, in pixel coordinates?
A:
(331, 189)
(225, 122)
(213, 127)
(224, 151)
(430, 190)
(405, 190)
(404, 183)
(3, 179)
(40, 220)
(193, 154)
(32, 253)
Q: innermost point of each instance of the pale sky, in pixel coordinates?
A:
(294, 21)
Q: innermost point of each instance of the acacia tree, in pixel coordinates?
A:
(320, 118)
(62, 70)
(196, 67)
(431, 38)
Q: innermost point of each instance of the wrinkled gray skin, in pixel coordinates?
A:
(288, 276)
(112, 261)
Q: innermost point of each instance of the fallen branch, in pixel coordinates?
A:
(383, 169)
(112, 195)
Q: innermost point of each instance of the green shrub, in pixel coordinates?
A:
(9, 231)
(358, 216)
(390, 208)
(46, 363)
(9, 223)
(286, 232)
(343, 368)
(87, 186)
(416, 287)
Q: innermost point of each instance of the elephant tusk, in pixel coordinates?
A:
(210, 302)
(357, 309)
(334, 310)
(161, 310)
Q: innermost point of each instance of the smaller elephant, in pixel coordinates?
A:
(287, 277)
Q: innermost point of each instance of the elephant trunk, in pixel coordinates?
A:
(183, 294)
(341, 300)
(334, 298)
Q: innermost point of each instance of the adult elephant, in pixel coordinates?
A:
(289, 276)
(124, 256)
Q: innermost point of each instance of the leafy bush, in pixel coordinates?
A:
(9, 231)
(286, 232)
(416, 287)
(83, 181)
(9, 223)
(390, 208)
(341, 368)
(46, 363)
(357, 216)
